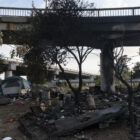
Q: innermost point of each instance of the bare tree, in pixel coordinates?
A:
(1, 35)
(120, 65)
(3, 67)
(61, 55)
(53, 27)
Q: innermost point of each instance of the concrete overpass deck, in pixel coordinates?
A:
(96, 25)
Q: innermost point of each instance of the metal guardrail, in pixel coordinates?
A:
(7, 11)
(105, 12)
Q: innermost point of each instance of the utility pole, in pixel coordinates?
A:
(46, 3)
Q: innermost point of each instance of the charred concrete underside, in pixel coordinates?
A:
(90, 32)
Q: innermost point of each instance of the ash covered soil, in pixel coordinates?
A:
(9, 115)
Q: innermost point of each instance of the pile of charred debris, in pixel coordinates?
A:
(55, 118)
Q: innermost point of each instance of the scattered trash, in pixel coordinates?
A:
(62, 110)
(53, 118)
(14, 99)
(19, 102)
(82, 137)
(10, 120)
(103, 125)
(58, 127)
(62, 117)
(7, 138)
(90, 101)
(4, 101)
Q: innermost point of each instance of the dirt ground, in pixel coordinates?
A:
(117, 131)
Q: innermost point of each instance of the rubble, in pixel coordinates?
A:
(66, 125)
(57, 116)
(4, 101)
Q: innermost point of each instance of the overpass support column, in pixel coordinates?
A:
(106, 69)
(8, 74)
(11, 68)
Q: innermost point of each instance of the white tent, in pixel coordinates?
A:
(15, 85)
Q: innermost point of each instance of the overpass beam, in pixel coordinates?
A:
(106, 68)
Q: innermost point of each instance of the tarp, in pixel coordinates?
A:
(14, 85)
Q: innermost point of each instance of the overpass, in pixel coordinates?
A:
(95, 25)
(104, 29)
(17, 67)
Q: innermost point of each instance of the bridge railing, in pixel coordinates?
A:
(105, 12)
(11, 11)
(110, 12)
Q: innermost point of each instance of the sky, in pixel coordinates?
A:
(93, 61)
(98, 3)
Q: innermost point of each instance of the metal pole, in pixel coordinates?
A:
(46, 3)
(133, 108)
(131, 81)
